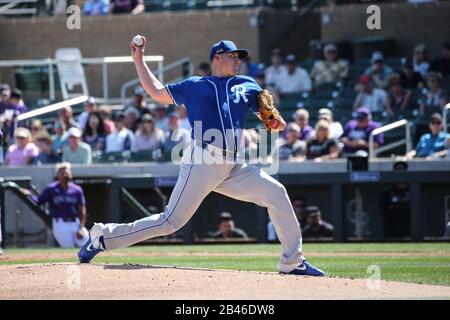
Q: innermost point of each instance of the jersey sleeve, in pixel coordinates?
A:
(179, 91)
(44, 196)
(80, 197)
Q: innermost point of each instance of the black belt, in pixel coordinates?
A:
(66, 219)
(230, 155)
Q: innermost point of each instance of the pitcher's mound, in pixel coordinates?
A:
(97, 281)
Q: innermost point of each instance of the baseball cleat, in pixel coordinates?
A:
(93, 246)
(307, 269)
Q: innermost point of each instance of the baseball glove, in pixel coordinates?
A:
(268, 113)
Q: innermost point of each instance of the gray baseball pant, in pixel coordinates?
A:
(240, 181)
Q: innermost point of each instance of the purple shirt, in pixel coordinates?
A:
(352, 132)
(306, 133)
(62, 203)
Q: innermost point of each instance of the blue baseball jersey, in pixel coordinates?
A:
(218, 105)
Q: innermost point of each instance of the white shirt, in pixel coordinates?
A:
(376, 102)
(336, 130)
(272, 74)
(298, 81)
(115, 141)
(82, 120)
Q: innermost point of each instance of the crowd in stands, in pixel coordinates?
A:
(146, 129)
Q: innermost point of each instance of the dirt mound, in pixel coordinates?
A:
(98, 281)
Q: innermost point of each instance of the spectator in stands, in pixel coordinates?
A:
(248, 68)
(316, 227)
(5, 92)
(294, 79)
(67, 207)
(174, 133)
(138, 105)
(46, 154)
(435, 98)
(420, 59)
(260, 78)
(76, 151)
(398, 99)
(89, 106)
(433, 142)
(66, 117)
(148, 137)
(322, 146)
(357, 131)
(290, 148)
(105, 112)
(276, 69)
(378, 71)
(301, 118)
(37, 127)
(60, 138)
(122, 138)
(409, 78)
(227, 228)
(441, 65)
(96, 8)
(23, 151)
(299, 205)
(372, 98)
(127, 6)
(335, 127)
(132, 119)
(184, 121)
(204, 69)
(94, 134)
(159, 113)
(332, 69)
(395, 206)
(15, 107)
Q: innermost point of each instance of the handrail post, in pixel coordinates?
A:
(408, 137)
(444, 115)
(105, 83)
(371, 147)
(51, 80)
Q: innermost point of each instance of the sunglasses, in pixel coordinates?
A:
(436, 122)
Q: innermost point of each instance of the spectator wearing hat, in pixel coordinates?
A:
(322, 146)
(227, 228)
(76, 151)
(274, 71)
(332, 69)
(420, 59)
(441, 64)
(108, 124)
(290, 148)
(138, 104)
(122, 138)
(372, 98)
(433, 142)
(23, 151)
(410, 79)
(65, 115)
(132, 119)
(335, 127)
(37, 128)
(160, 115)
(204, 69)
(147, 137)
(46, 154)
(60, 138)
(301, 118)
(395, 206)
(67, 208)
(89, 106)
(94, 134)
(356, 133)
(378, 71)
(435, 97)
(294, 79)
(174, 134)
(398, 99)
(15, 106)
(316, 227)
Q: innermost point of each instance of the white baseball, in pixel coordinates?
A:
(138, 41)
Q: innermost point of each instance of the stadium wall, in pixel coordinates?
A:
(408, 24)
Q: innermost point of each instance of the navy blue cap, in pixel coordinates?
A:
(226, 46)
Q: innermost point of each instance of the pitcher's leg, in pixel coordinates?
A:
(193, 185)
(251, 184)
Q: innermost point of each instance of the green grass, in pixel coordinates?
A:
(432, 268)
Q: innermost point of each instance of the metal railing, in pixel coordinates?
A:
(159, 74)
(402, 123)
(444, 116)
(50, 108)
(7, 8)
(105, 62)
